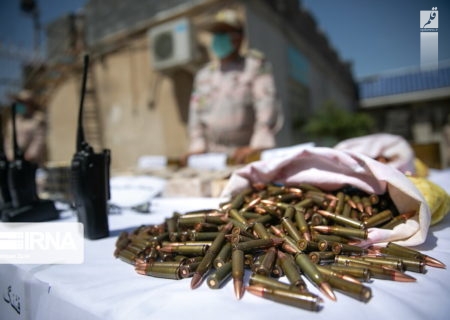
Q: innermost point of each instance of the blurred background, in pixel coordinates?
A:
(342, 69)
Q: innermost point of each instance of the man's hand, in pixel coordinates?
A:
(245, 154)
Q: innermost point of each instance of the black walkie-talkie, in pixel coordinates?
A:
(90, 178)
(22, 173)
(5, 195)
(25, 203)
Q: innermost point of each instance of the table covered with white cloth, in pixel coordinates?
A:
(103, 287)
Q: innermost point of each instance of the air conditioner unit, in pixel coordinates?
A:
(171, 44)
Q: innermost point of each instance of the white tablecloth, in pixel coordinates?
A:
(107, 288)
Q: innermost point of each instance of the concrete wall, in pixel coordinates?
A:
(305, 74)
(132, 127)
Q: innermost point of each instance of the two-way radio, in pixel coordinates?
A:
(25, 203)
(90, 178)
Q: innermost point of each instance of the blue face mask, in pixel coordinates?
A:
(21, 108)
(222, 45)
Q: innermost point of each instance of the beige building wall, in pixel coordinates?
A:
(132, 127)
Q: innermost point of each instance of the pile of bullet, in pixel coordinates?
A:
(272, 231)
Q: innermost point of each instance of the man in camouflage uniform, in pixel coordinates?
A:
(31, 129)
(233, 105)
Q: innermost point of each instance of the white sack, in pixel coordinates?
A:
(331, 169)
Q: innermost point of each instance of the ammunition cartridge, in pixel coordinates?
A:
(238, 200)
(269, 257)
(288, 197)
(291, 270)
(187, 250)
(290, 228)
(340, 202)
(326, 271)
(376, 271)
(310, 270)
(127, 256)
(238, 217)
(378, 219)
(258, 244)
(343, 231)
(202, 236)
(187, 270)
(264, 218)
(316, 236)
(307, 246)
(359, 272)
(210, 254)
(268, 282)
(349, 222)
(288, 297)
(346, 210)
(322, 257)
(408, 264)
(318, 220)
(223, 256)
(344, 248)
(384, 261)
(289, 213)
(248, 260)
(359, 205)
(323, 245)
(165, 270)
(277, 271)
(171, 225)
(305, 203)
(411, 253)
(351, 289)
(302, 225)
(123, 240)
(221, 275)
(260, 230)
(237, 271)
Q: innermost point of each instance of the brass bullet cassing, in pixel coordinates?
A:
(258, 244)
(408, 252)
(164, 270)
(359, 272)
(344, 248)
(313, 274)
(322, 257)
(290, 228)
(378, 219)
(220, 276)
(291, 270)
(343, 231)
(401, 218)
(237, 271)
(342, 220)
(287, 297)
(223, 256)
(210, 254)
(302, 225)
(267, 262)
(351, 289)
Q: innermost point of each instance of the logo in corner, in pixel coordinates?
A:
(429, 20)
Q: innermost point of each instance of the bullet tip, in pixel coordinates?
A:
(238, 289)
(196, 281)
(325, 288)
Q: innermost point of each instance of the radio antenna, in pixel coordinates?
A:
(80, 132)
(17, 151)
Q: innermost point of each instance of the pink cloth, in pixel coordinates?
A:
(233, 107)
(389, 146)
(330, 169)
